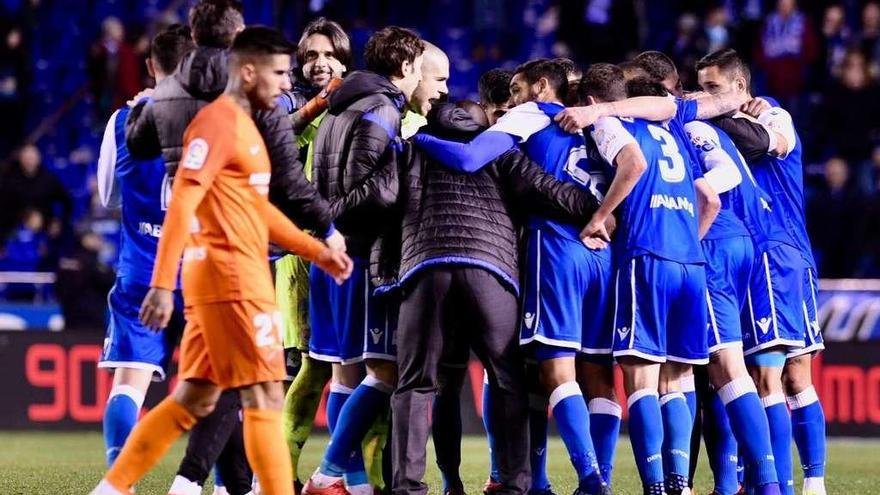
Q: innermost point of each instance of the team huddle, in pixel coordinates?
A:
(568, 222)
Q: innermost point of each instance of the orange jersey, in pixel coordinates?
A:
(225, 171)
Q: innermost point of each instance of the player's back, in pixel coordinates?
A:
(566, 157)
(660, 214)
(226, 255)
(751, 204)
(143, 189)
(783, 179)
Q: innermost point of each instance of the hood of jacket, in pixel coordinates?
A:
(204, 72)
(360, 84)
(448, 121)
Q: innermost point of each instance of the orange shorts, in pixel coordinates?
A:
(232, 344)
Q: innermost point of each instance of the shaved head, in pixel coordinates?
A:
(435, 73)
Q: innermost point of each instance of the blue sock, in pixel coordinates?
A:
(605, 430)
(689, 389)
(218, 480)
(355, 419)
(573, 422)
(780, 438)
(335, 400)
(355, 473)
(808, 429)
(120, 415)
(677, 429)
(722, 450)
(487, 424)
(538, 442)
(646, 435)
(751, 429)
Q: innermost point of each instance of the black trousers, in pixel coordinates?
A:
(218, 438)
(443, 306)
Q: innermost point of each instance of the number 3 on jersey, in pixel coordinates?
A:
(672, 165)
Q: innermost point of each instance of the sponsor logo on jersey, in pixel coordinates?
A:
(376, 335)
(540, 451)
(150, 229)
(672, 203)
(622, 332)
(196, 153)
(764, 324)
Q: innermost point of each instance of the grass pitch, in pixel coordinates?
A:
(36, 463)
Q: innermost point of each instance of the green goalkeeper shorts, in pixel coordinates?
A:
(292, 294)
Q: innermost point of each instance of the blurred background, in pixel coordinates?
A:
(66, 65)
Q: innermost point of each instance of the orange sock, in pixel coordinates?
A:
(267, 451)
(148, 442)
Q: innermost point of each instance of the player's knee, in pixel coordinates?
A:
(384, 371)
(797, 375)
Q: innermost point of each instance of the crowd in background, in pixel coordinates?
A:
(65, 66)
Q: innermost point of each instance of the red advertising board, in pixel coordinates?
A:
(51, 381)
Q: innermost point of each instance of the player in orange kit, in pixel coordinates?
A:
(220, 221)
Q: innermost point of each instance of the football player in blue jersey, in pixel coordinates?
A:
(733, 409)
(659, 267)
(780, 328)
(142, 190)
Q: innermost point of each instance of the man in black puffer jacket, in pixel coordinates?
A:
(459, 273)
(156, 124)
(355, 169)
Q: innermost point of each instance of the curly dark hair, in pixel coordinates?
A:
(215, 22)
(553, 71)
(494, 86)
(389, 48)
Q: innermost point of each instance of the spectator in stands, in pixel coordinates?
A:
(835, 38)
(14, 70)
(687, 46)
(785, 51)
(717, 30)
(835, 212)
(25, 248)
(83, 283)
(29, 185)
(114, 70)
(869, 36)
(850, 118)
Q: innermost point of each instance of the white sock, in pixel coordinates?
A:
(321, 480)
(220, 490)
(183, 486)
(105, 488)
(364, 489)
(814, 486)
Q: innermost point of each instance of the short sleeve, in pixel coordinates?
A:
(685, 110)
(702, 137)
(108, 190)
(208, 146)
(610, 137)
(522, 121)
(778, 120)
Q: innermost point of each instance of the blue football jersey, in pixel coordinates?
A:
(143, 190)
(563, 155)
(710, 153)
(783, 179)
(751, 204)
(660, 214)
